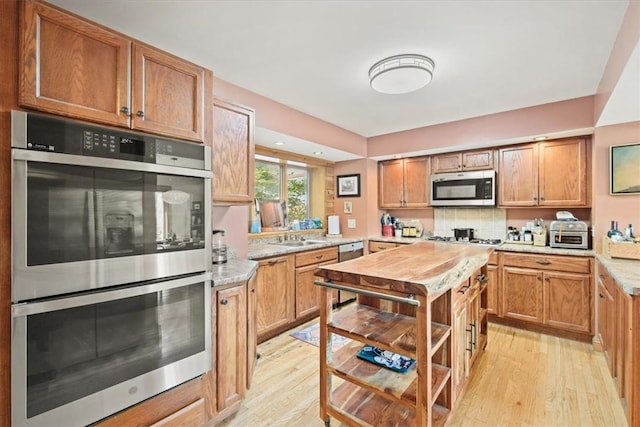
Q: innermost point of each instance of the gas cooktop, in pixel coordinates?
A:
(494, 242)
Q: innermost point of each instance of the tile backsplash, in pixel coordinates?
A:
(488, 223)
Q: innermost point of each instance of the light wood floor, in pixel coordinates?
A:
(523, 379)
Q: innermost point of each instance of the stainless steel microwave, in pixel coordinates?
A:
(476, 188)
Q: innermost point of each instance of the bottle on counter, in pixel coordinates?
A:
(628, 233)
(614, 233)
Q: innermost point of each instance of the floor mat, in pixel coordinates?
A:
(311, 335)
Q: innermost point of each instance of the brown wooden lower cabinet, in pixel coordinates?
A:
(307, 294)
(554, 292)
(606, 317)
(522, 294)
(469, 330)
(619, 335)
(285, 290)
(252, 337)
(231, 346)
(275, 304)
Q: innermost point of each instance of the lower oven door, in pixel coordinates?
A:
(79, 359)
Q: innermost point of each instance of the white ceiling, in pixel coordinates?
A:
(314, 55)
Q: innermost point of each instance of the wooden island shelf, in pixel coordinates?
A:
(407, 304)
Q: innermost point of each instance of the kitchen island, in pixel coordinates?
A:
(426, 302)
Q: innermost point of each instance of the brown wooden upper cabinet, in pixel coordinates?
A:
(552, 173)
(76, 68)
(404, 183)
(233, 153)
(462, 161)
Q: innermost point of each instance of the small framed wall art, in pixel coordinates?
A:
(349, 185)
(624, 164)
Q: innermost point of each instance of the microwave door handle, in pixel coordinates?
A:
(91, 223)
(99, 218)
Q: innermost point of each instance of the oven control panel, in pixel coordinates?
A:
(59, 135)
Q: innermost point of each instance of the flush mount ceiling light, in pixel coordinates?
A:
(401, 73)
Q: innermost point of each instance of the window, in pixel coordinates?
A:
(284, 180)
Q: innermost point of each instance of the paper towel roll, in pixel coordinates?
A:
(333, 226)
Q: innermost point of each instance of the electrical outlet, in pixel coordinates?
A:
(351, 223)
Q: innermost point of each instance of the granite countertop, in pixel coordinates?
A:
(232, 271)
(504, 246)
(266, 250)
(625, 271)
(430, 266)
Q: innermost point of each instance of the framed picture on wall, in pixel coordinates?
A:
(349, 185)
(624, 167)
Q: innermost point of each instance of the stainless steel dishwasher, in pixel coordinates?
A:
(346, 252)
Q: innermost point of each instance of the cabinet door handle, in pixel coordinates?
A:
(272, 262)
(224, 301)
(539, 278)
(541, 197)
(125, 110)
(140, 114)
(543, 262)
(535, 198)
(601, 295)
(464, 289)
(318, 256)
(546, 279)
(482, 278)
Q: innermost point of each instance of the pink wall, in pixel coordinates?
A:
(234, 220)
(558, 116)
(280, 118)
(624, 209)
(626, 41)
(363, 206)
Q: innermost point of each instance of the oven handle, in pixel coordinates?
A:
(26, 309)
(102, 162)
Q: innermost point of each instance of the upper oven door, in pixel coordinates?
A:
(103, 222)
(475, 188)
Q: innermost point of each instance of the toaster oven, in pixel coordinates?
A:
(569, 235)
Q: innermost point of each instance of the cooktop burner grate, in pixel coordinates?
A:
(473, 241)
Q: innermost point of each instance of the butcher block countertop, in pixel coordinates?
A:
(424, 267)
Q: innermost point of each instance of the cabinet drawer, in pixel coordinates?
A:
(461, 292)
(190, 415)
(380, 246)
(548, 262)
(317, 256)
(493, 258)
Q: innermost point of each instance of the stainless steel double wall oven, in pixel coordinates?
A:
(110, 252)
